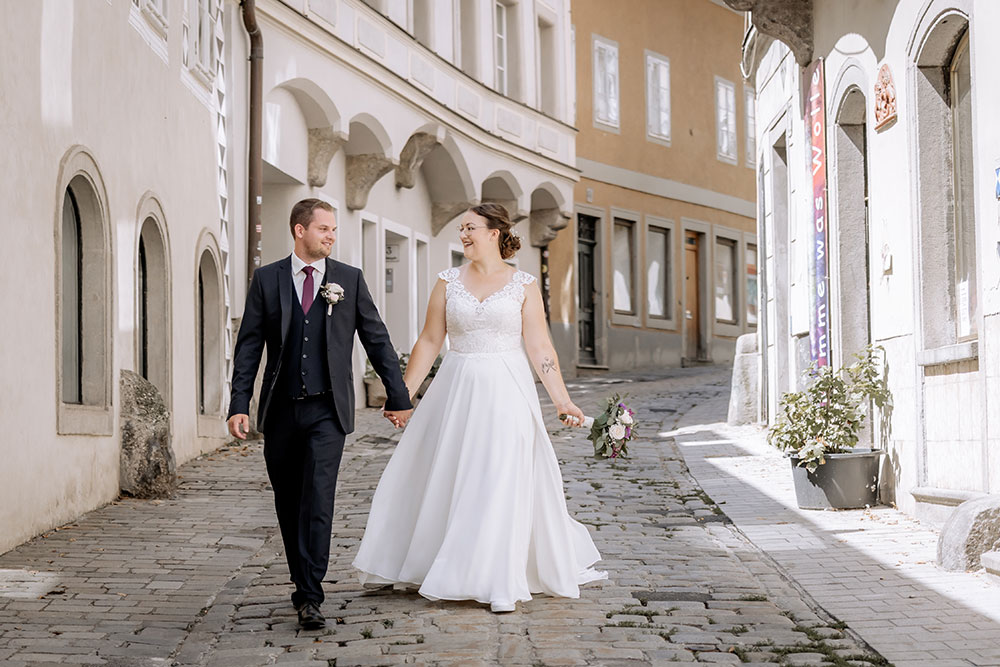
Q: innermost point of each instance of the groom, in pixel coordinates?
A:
(305, 310)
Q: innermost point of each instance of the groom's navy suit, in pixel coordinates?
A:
(307, 400)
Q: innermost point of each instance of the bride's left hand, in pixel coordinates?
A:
(574, 415)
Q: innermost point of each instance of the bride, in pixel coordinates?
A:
(471, 505)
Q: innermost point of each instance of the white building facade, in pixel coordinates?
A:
(125, 234)
(901, 248)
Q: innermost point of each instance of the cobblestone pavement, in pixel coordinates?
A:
(200, 579)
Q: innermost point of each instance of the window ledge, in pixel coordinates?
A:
(949, 354)
(85, 419)
(626, 319)
(661, 323)
(606, 126)
(937, 496)
(211, 426)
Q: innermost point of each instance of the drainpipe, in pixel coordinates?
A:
(255, 167)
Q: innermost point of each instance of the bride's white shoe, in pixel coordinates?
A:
(499, 608)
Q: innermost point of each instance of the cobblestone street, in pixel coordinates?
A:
(200, 579)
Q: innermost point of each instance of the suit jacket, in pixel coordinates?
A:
(266, 320)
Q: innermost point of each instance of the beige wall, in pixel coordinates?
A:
(701, 40)
(682, 181)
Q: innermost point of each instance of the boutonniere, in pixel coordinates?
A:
(333, 293)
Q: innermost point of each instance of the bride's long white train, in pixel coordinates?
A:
(471, 505)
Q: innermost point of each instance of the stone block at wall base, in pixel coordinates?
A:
(743, 399)
(991, 563)
(972, 530)
(147, 465)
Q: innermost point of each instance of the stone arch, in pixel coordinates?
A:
(285, 145)
(369, 158)
(501, 187)
(546, 216)
(209, 326)
(322, 120)
(939, 26)
(417, 147)
(449, 183)
(84, 296)
(153, 307)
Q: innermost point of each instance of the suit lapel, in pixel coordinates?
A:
(329, 276)
(285, 292)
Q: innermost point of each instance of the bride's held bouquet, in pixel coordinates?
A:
(612, 429)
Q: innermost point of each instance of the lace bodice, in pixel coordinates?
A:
(491, 325)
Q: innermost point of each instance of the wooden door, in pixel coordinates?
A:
(692, 300)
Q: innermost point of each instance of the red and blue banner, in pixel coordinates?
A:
(819, 329)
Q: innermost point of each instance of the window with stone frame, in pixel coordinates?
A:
(606, 101)
(725, 120)
(725, 281)
(500, 39)
(658, 273)
(623, 246)
(948, 285)
(658, 97)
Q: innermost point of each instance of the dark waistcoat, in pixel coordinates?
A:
(305, 351)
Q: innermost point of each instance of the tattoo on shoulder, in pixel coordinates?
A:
(548, 364)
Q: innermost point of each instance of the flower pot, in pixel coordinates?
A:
(845, 481)
(375, 393)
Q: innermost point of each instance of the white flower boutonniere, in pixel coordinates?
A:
(333, 293)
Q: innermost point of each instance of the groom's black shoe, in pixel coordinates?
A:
(310, 617)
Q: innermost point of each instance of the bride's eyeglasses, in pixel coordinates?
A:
(465, 229)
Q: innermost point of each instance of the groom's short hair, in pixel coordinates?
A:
(302, 212)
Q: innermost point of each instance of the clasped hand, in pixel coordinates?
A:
(398, 418)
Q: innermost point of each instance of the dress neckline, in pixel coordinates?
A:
(458, 279)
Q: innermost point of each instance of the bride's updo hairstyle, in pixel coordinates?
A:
(497, 218)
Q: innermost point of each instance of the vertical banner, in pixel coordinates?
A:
(819, 329)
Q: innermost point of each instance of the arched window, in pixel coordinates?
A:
(209, 328)
(83, 328)
(962, 178)
(152, 326)
(949, 286)
(72, 303)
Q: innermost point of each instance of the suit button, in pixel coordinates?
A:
(303, 372)
(307, 321)
(307, 339)
(304, 356)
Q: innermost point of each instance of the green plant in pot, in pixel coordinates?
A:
(373, 383)
(821, 425)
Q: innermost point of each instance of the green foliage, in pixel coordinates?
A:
(616, 415)
(827, 416)
(404, 359)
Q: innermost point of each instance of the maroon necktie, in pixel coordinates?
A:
(307, 289)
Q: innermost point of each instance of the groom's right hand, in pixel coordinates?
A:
(239, 425)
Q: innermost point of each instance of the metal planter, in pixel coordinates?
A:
(845, 481)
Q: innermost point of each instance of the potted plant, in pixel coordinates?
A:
(375, 390)
(819, 428)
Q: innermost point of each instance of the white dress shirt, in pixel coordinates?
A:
(299, 276)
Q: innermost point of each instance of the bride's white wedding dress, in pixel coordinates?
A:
(471, 505)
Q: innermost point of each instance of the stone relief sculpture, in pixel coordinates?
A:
(885, 99)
